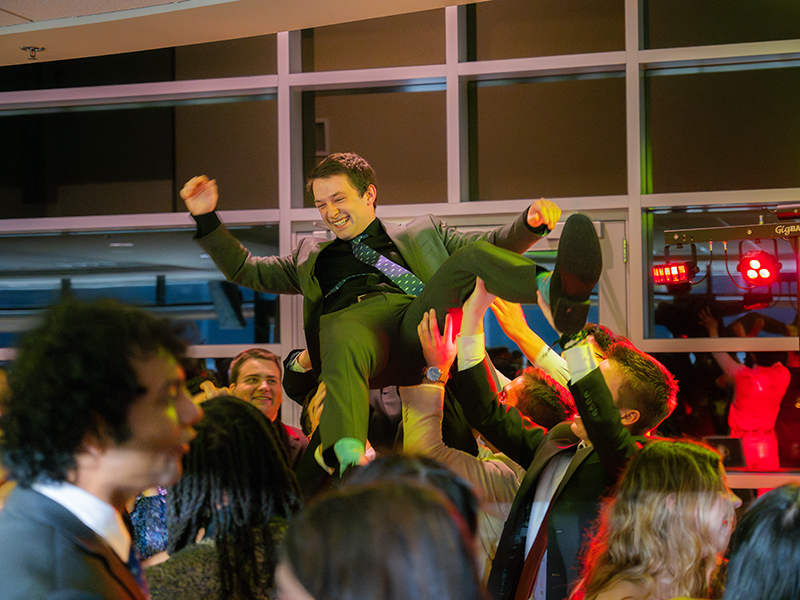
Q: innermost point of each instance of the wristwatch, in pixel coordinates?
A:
(434, 375)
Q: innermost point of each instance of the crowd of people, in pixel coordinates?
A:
(420, 470)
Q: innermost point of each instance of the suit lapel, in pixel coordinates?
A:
(580, 455)
(559, 439)
(418, 242)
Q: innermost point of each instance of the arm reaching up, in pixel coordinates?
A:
(512, 321)
(439, 350)
(474, 308)
(725, 361)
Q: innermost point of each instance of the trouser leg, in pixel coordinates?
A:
(506, 274)
(355, 345)
(375, 343)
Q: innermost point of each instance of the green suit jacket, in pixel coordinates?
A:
(424, 243)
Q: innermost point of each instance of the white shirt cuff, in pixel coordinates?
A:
(471, 350)
(581, 361)
(295, 366)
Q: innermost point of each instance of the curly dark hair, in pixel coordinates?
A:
(72, 376)
(236, 483)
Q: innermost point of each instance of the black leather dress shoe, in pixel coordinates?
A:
(579, 264)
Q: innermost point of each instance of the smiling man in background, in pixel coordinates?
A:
(256, 378)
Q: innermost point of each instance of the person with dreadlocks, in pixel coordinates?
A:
(228, 512)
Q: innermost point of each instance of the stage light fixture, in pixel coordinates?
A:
(674, 272)
(677, 276)
(759, 268)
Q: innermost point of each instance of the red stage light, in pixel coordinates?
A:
(759, 268)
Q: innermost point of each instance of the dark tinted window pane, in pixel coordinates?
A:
(235, 143)
(558, 138)
(87, 162)
(520, 28)
(698, 121)
(675, 23)
(115, 69)
(123, 161)
(228, 58)
(401, 134)
(403, 40)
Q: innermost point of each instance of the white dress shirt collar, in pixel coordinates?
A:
(98, 516)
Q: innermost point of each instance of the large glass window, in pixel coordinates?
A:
(227, 58)
(163, 271)
(521, 28)
(720, 284)
(400, 132)
(723, 129)
(553, 138)
(235, 143)
(87, 162)
(103, 161)
(397, 41)
(115, 69)
(675, 23)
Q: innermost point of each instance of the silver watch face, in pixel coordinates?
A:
(433, 373)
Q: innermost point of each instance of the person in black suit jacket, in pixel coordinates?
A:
(98, 413)
(574, 464)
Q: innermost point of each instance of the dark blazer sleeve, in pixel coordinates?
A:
(273, 274)
(503, 426)
(296, 384)
(516, 236)
(612, 441)
(46, 552)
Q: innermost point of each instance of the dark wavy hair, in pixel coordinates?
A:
(72, 376)
(388, 540)
(237, 485)
(425, 471)
(764, 552)
(358, 170)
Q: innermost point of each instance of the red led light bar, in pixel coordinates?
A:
(670, 273)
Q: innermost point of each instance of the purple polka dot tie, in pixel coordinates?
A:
(405, 279)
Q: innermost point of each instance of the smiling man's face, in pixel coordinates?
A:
(259, 383)
(346, 212)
